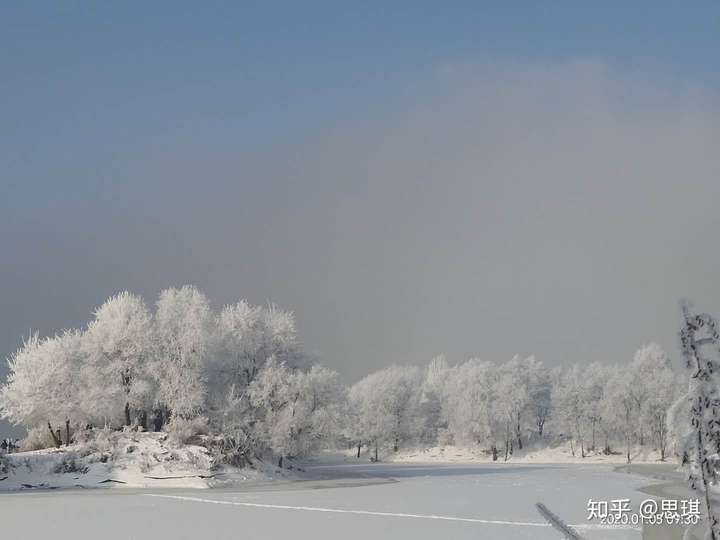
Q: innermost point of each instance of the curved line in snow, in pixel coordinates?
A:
(384, 514)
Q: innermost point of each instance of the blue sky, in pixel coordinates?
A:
(121, 62)
(410, 177)
(79, 73)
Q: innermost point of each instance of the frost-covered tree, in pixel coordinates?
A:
(297, 411)
(183, 332)
(471, 410)
(607, 410)
(569, 404)
(43, 385)
(385, 405)
(240, 374)
(700, 343)
(511, 400)
(594, 385)
(664, 390)
(432, 391)
(246, 337)
(539, 384)
(649, 361)
(654, 390)
(119, 344)
(620, 407)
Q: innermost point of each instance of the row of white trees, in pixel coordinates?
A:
(501, 407)
(241, 373)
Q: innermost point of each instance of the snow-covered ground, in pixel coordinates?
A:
(125, 459)
(338, 500)
(554, 454)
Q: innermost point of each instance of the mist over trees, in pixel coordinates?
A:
(240, 374)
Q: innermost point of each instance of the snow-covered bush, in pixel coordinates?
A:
(186, 430)
(69, 462)
(99, 442)
(37, 438)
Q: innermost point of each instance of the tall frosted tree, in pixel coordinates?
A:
(471, 406)
(654, 390)
(539, 393)
(431, 399)
(622, 411)
(570, 406)
(119, 343)
(700, 343)
(594, 384)
(183, 332)
(648, 362)
(511, 400)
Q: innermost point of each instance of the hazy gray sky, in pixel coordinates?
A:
(479, 208)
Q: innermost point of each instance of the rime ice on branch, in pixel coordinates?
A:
(700, 342)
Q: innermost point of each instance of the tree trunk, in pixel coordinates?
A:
(359, 446)
(628, 434)
(127, 413)
(67, 432)
(712, 520)
(518, 432)
(56, 438)
(376, 451)
(628, 449)
(159, 419)
(280, 460)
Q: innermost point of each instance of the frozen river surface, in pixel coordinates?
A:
(348, 502)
